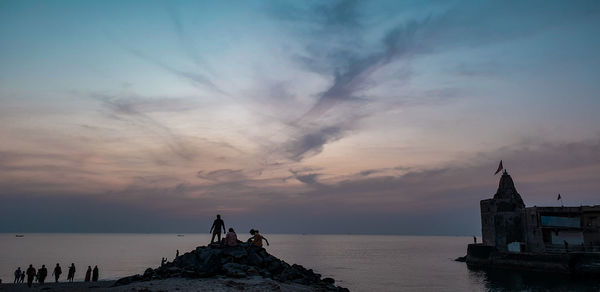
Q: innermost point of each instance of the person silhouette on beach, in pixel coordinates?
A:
(17, 275)
(22, 277)
(177, 254)
(88, 274)
(95, 274)
(71, 273)
(57, 271)
(256, 238)
(216, 229)
(30, 275)
(43, 273)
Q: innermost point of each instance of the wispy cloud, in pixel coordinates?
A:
(134, 110)
(222, 175)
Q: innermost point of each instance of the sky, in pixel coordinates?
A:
(357, 117)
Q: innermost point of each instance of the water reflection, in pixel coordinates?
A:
(510, 280)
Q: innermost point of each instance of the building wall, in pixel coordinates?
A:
(488, 231)
(591, 225)
(533, 232)
(501, 227)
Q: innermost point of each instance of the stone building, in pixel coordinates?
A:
(509, 226)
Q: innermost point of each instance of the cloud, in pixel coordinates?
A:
(427, 196)
(223, 175)
(197, 79)
(336, 47)
(305, 178)
(369, 172)
(311, 142)
(349, 81)
(136, 111)
(185, 41)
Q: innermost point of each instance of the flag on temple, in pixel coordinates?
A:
(500, 167)
(558, 197)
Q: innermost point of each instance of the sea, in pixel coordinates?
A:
(357, 262)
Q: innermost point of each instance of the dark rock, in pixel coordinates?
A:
(290, 274)
(253, 271)
(212, 265)
(187, 260)
(254, 259)
(275, 267)
(237, 253)
(235, 262)
(234, 270)
(128, 280)
(461, 259)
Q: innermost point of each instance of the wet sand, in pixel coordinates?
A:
(254, 284)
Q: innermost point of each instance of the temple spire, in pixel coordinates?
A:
(507, 191)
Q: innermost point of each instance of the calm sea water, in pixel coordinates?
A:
(359, 262)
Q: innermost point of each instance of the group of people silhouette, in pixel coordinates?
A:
(41, 274)
(231, 237)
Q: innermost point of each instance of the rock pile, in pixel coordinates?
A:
(234, 262)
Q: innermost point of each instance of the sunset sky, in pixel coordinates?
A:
(293, 116)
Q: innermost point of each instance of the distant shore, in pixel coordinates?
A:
(217, 284)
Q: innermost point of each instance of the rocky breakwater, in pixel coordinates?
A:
(234, 262)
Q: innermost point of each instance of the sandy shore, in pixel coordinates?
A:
(173, 284)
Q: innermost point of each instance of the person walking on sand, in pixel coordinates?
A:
(95, 274)
(30, 275)
(88, 274)
(231, 238)
(43, 274)
(22, 277)
(57, 271)
(71, 273)
(216, 229)
(257, 238)
(17, 275)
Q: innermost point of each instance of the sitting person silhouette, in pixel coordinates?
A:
(231, 238)
(256, 238)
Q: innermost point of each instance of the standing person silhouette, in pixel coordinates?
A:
(30, 275)
(95, 274)
(88, 274)
(71, 273)
(22, 277)
(216, 229)
(43, 273)
(57, 271)
(17, 275)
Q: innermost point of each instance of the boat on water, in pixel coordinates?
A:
(180, 235)
(19, 235)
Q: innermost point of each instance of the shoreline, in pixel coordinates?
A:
(216, 284)
(60, 286)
